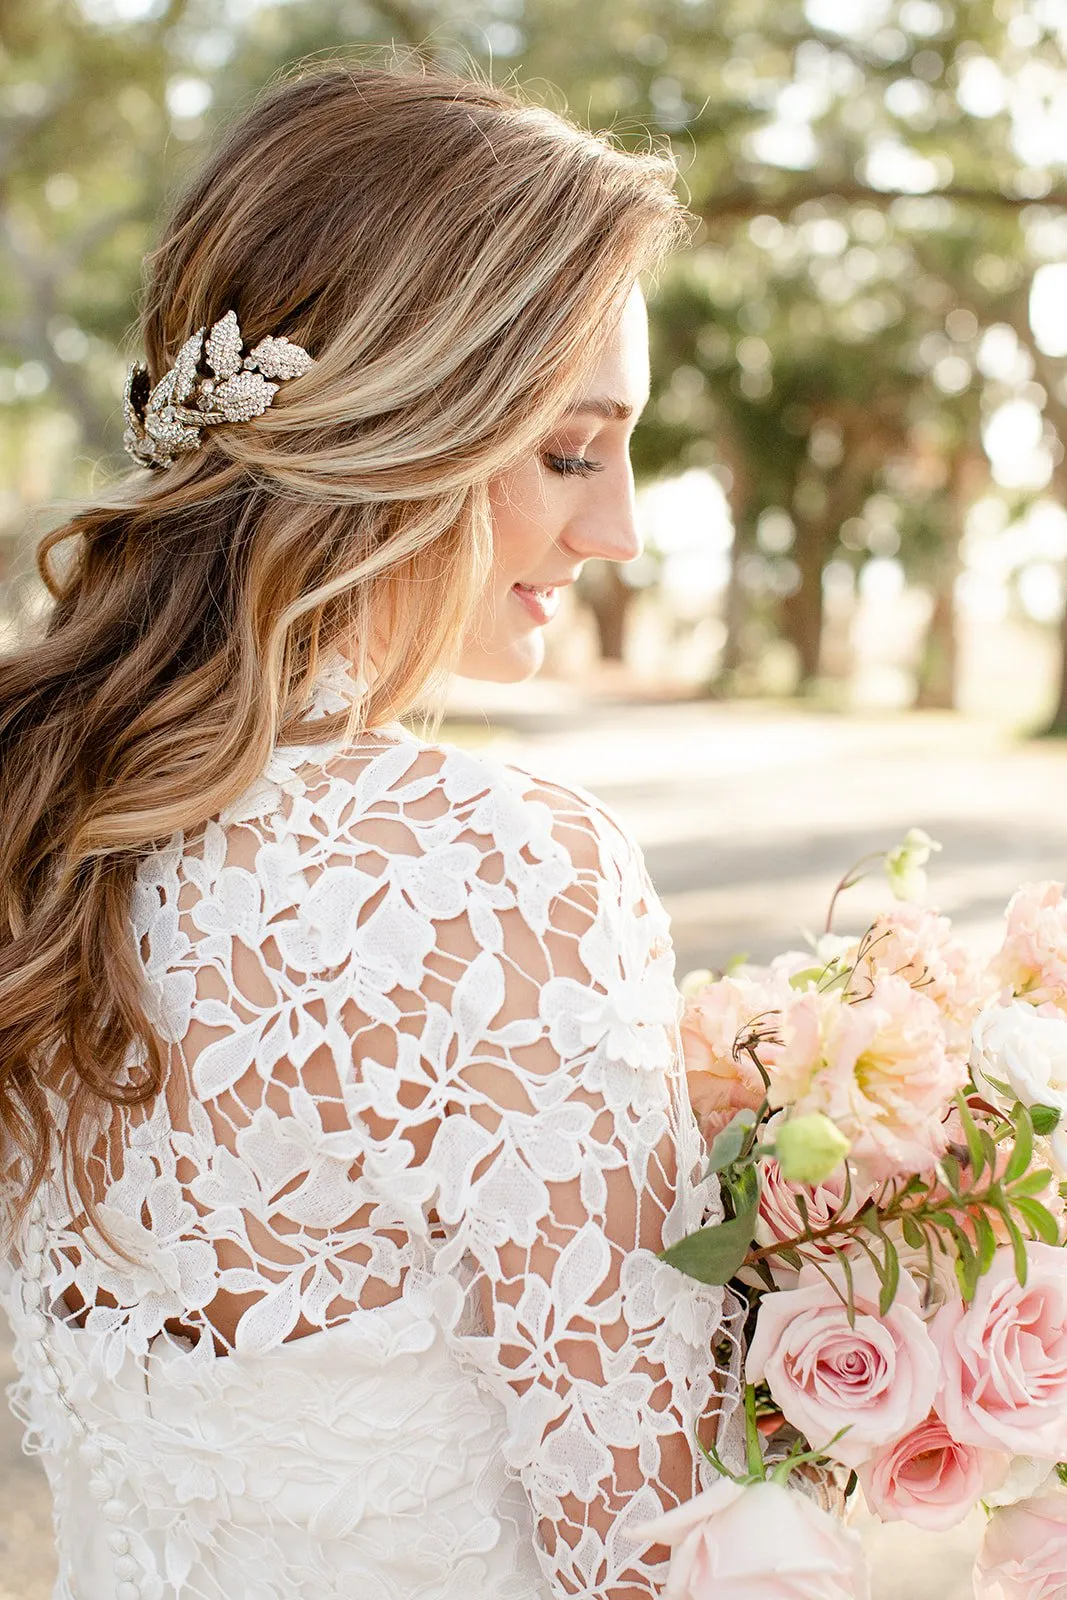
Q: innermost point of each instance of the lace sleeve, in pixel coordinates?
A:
(564, 1165)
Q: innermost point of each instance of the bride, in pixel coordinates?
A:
(342, 1116)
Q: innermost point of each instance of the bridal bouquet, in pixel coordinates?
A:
(887, 1116)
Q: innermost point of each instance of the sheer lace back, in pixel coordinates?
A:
(422, 1023)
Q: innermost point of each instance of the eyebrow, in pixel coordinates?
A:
(602, 405)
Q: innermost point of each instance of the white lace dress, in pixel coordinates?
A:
(388, 1318)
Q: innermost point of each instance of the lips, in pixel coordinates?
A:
(541, 600)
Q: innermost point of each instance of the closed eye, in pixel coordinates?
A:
(573, 466)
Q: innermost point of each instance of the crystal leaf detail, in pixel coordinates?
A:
(224, 347)
(279, 358)
(168, 420)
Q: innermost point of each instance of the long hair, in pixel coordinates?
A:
(450, 256)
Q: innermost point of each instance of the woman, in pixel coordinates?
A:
(337, 1069)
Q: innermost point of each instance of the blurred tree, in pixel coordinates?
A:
(870, 177)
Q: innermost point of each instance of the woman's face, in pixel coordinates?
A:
(572, 500)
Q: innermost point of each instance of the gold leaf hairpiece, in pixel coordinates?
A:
(168, 420)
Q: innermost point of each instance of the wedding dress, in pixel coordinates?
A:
(376, 1307)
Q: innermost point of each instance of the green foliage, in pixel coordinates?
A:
(978, 1207)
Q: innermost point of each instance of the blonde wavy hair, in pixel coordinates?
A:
(452, 257)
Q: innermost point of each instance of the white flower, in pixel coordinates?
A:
(1018, 1046)
(1027, 1476)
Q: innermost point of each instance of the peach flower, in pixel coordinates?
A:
(877, 1379)
(918, 945)
(1024, 1552)
(719, 1082)
(928, 1478)
(1004, 1358)
(761, 1540)
(1032, 961)
(878, 1067)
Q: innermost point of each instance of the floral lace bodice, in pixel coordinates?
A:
(379, 1309)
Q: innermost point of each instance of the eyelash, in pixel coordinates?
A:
(572, 466)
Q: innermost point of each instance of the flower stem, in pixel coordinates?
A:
(755, 1454)
(853, 876)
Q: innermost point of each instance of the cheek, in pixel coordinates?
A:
(526, 523)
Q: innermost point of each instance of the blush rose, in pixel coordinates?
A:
(1004, 1358)
(928, 1478)
(779, 1217)
(877, 1379)
(761, 1540)
(1024, 1552)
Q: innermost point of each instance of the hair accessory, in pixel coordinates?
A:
(168, 420)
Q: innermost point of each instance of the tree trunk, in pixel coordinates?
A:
(936, 687)
(734, 609)
(734, 602)
(1057, 728)
(802, 612)
(609, 597)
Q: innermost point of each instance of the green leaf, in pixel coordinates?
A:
(1023, 1152)
(949, 1170)
(763, 1271)
(966, 1270)
(1042, 1223)
(809, 975)
(727, 1146)
(850, 1289)
(890, 1276)
(913, 1234)
(1045, 1119)
(1018, 1248)
(987, 1242)
(1002, 1088)
(970, 1132)
(966, 1263)
(989, 1148)
(713, 1255)
(741, 1187)
(1031, 1183)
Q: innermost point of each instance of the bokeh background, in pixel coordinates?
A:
(850, 613)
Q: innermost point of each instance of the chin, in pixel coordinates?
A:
(512, 662)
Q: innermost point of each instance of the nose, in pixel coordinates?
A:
(605, 526)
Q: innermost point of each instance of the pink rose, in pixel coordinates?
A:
(1004, 1358)
(878, 1067)
(760, 1540)
(877, 1379)
(779, 1217)
(1024, 1552)
(928, 1478)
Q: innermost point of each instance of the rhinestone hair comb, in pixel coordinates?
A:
(168, 420)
